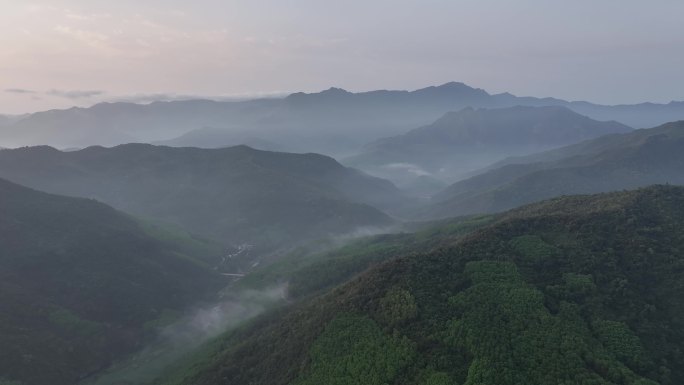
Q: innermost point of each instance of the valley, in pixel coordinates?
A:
(341, 193)
(275, 236)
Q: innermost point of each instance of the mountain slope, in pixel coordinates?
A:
(613, 162)
(234, 195)
(583, 289)
(4, 120)
(81, 284)
(463, 141)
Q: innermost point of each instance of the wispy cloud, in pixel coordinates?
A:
(154, 97)
(86, 16)
(166, 97)
(19, 91)
(407, 167)
(90, 38)
(75, 94)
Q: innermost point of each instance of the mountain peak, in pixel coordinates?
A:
(456, 89)
(455, 85)
(332, 92)
(335, 91)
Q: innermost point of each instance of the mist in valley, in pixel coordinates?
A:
(300, 193)
(194, 328)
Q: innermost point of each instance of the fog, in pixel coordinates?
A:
(170, 169)
(192, 330)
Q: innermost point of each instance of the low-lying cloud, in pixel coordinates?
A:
(75, 94)
(19, 91)
(188, 333)
(169, 97)
(407, 167)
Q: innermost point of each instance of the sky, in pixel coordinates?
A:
(61, 53)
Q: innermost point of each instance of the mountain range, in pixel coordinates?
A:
(335, 121)
(460, 142)
(463, 238)
(575, 290)
(612, 162)
(235, 195)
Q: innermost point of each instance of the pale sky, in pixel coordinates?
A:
(60, 53)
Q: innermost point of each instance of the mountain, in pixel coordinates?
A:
(6, 120)
(338, 122)
(299, 122)
(463, 141)
(209, 137)
(306, 271)
(334, 121)
(640, 115)
(575, 290)
(235, 195)
(81, 284)
(613, 162)
(117, 123)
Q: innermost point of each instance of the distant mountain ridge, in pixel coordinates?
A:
(613, 162)
(463, 141)
(332, 121)
(233, 195)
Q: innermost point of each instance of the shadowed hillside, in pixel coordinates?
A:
(613, 162)
(81, 284)
(464, 141)
(234, 195)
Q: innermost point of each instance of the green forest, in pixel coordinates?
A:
(575, 290)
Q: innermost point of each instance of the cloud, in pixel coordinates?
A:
(189, 332)
(168, 97)
(154, 97)
(86, 17)
(35, 8)
(75, 94)
(407, 167)
(94, 39)
(19, 91)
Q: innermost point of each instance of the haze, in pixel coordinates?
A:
(62, 53)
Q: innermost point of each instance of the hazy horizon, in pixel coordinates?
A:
(67, 53)
(506, 208)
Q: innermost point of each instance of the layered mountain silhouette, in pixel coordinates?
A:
(609, 163)
(331, 119)
(513, 274)
(334, 121)
(209, 137)
(235, 195)
(81, 284)
(461, 142)
(580, 289)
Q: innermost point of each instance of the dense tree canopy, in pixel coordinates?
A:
(574, 290)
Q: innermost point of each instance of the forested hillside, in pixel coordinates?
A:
(234, 195)
(576, 290)
(81, 284)
(609, 163)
